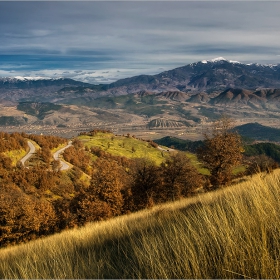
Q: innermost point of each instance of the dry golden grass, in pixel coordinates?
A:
(231, 233)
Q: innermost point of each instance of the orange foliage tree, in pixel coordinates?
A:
(180, 178)
(146, 182)
(221, 152)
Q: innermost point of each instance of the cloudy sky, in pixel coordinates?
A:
(103, 41)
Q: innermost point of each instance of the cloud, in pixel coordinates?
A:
(139, 36)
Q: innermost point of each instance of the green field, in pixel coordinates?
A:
(124, 146)
(133, 148)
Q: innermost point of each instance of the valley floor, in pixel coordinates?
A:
(140, 131)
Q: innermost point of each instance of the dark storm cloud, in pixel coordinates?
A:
(135, 35)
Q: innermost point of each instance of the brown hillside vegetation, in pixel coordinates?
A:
(13, 141)
(41, 200)
(113, 186)
(230, 233)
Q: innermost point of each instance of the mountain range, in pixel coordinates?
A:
(204, 76)
(183, 97)
(214, 75)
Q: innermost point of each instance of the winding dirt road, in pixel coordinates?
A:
(32, 150)
(63, 164)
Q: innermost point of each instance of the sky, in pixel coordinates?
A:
(104, 41)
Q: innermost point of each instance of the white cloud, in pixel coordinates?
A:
(94, 77)
(138, 37)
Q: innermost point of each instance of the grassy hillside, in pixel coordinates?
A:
(232, 233)
(124, 146)
(133, 148)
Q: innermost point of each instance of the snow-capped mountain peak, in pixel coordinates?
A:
(218, 59)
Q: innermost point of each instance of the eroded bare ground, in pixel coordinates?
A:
(187, 123)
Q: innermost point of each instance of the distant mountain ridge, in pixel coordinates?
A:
(217, 82)
(258, 99)
(36, 82)
(206, 76)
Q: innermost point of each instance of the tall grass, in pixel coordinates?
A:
(232, 233)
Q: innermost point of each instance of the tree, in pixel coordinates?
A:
(56, 165)
(146, 180)
(22, 216)
(107, 181)
(261, 163)
(180, 178)
(222, 151)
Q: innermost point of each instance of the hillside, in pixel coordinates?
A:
(109, 175)
(180, 144)
(124, 146)
(259, 132)
(231, 233)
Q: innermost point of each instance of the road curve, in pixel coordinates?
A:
(32, 150)
(63, 164)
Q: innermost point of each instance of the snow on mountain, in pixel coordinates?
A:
(32, 78)
(18, 79)
(235, 61)
(218, 59)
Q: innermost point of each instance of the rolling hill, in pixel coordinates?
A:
(259, 132)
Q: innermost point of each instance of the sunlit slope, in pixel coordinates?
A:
(15, 155)
(232, 233)
(124, 146)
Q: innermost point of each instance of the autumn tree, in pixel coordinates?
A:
(146, 181)
(77, 156)
(180, 178)
(260, 163)
(103, 198)
(222, 151)
(23, 217)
